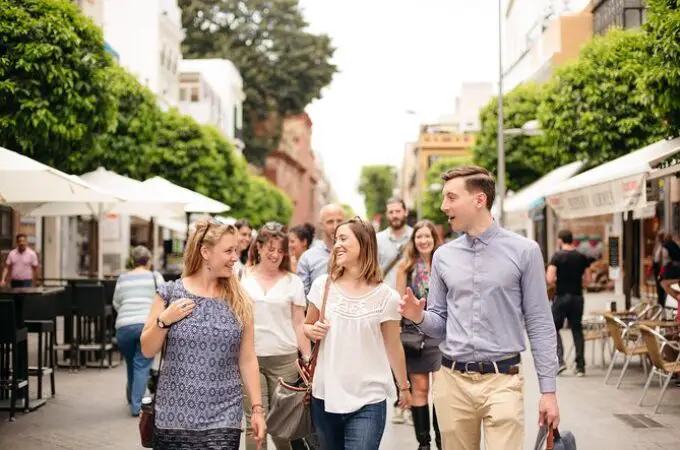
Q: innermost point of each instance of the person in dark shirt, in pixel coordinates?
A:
(671, 270)
(569, 271)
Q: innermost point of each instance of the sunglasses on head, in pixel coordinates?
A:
(205, 232)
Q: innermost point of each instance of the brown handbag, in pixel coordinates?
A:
(289, 415)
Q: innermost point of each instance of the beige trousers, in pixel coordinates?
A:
(271, 368)
(466, 401)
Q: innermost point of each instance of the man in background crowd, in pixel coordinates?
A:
(21, 265)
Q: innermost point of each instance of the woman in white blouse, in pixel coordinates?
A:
(279, 311)
(359, 339)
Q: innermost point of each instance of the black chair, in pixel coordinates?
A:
(65, 308)
(94, 332)
(12, 346)
(40, 314)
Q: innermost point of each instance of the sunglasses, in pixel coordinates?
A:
(211, 222)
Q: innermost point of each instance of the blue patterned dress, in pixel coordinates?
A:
(199, 402)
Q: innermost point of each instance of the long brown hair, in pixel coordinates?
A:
(411, 254)
(269, 231)
(368, 252)
(209, 232)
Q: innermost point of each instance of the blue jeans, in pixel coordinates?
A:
(137, 365)
(21, 283)
(358, 430)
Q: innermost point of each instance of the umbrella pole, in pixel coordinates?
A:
(100, 250)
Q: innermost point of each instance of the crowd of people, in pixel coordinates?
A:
(389, 311)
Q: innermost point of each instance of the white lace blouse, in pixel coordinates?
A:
(353, 370)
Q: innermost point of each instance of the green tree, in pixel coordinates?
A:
(266, 202)
(432, 198)
(186, 154)
(284, 66)
(349, 211)
(54, 93)
(525, 159)
(376, 184)
(661, 80)
(125, 149)
(593, 110)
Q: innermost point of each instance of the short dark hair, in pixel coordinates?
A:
(477, 179)
(304, 232)
(399, 200)
(21, 235)
(242, 223)
(565, 236)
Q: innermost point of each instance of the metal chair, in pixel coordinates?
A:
(655, 344)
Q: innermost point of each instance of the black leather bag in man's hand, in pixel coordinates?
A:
(554, 440)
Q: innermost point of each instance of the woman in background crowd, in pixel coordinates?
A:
(245, 237)
(205, 321)
(300, 237)
(279, 302)
(422, 353)
(132, 300)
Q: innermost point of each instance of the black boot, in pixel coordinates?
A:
(435, 424)
(421, 424)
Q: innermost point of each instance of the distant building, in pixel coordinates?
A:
(624, 14)
(211, 91)
(147, 36)
(94, 9)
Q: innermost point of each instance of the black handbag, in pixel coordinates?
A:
(413, 340)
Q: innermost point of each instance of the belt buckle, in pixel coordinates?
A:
(479, 367)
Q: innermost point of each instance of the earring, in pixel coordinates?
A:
(208, 266)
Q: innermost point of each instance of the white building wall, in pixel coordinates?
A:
(94, 9)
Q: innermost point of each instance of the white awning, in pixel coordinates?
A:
(615, 186)
(195, 202)
(517, 207)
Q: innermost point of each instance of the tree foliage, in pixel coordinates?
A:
(661, 80)
(266, 202)
(432, 198)
(125, 149)
(525, 158)
(349, 211)
(593, 110)
(376, 184)
(54, 93)
(284, 67)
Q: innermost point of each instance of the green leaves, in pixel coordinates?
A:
(525, 159)
(376, 184)
(593, 110)
(284, 67)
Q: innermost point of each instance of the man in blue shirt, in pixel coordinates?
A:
(486, 288)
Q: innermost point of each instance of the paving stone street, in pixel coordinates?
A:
(89, 412)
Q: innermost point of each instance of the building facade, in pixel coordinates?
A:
(293, 169)
(539, 35)
(324, 190)
(147, 36)
(473, 97)
(211, 91)
(624, 14)
(408, 176)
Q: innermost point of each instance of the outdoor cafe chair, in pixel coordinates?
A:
(656, 343)
(626, 343)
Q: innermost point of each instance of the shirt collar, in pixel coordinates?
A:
(486, 236)
(405, 236)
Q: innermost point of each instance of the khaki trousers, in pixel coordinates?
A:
(271, 368)
(466, 401)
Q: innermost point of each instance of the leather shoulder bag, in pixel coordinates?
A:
(289, 415)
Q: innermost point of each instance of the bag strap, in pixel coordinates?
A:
(322, 315)
(552, 435)
(394, 261)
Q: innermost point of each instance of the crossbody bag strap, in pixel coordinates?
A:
(322, 316)
(394, 261)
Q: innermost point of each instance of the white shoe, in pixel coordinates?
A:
(408, 417)
(397, 415)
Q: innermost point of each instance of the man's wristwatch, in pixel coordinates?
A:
(161, 324)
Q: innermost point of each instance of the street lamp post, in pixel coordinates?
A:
(500, 187)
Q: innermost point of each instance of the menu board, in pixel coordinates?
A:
(613, 251)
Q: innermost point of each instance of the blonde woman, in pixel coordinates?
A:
(423, 356)
(206, 321)
(359, 342)
(279, 302)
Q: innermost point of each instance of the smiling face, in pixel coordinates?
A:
(221, 257)
(424, 241)
(271, 253)
(347, 247)
(295, 245)
(460, 205)
(245, 236)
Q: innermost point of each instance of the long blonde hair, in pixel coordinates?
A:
(209, 232)
(412, 253)
(368, 253)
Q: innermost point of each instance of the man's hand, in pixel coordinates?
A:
(411, 308)
(548, 411)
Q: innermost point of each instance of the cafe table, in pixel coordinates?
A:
(19, 297)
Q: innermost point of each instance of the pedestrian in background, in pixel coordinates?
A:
(300, 238)
(132, 299)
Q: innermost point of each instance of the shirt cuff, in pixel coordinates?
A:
(547, 385)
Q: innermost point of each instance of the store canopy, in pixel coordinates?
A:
(518, 206)
(615, 186)
(195, 202)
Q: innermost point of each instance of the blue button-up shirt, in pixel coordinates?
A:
(483, 293)
(313, 263)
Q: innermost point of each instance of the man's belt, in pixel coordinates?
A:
(507, 366)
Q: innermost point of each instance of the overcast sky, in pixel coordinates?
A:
(393, 56)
